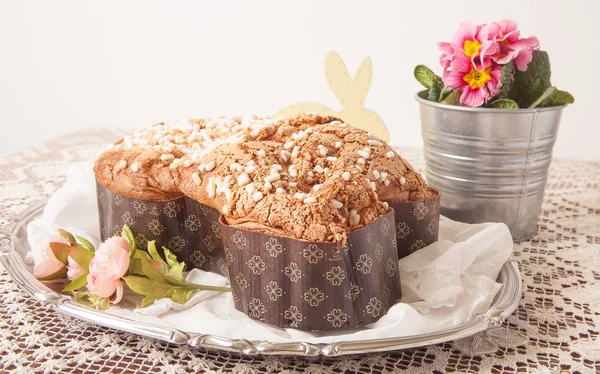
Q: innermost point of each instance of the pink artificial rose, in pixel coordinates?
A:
(511, 48)
(109, 264)
(74, 269)
(47, 264)
(477, 86)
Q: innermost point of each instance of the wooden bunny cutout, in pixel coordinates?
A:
(350, 92)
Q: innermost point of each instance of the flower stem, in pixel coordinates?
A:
(175, 282)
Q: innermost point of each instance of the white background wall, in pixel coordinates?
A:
(67, 65)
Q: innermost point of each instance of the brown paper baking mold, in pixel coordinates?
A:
(284, 281)
(289, 282)
(189, 229)
(417, 224)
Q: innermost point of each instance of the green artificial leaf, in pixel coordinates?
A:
(503, 104)
(558, 98)
(506, 80)
(61, 251)
(434, 92)
(176, 272)
(81, 255)
(67, 235)
(153, 277)
(530, 84)
(76, 283)
(150, 289)
(181, 295)
(61, 274)
(143, 285)
(141, 254)
(453, 98)
(155, 295)
(127, 234)
(82, 297)
(425, 76)
(548, 93)
(89, 299)
(149, 270)
(175, 269)
(153, 289)
(89, 246)
(170, 257)
(135, 265)
(102, 303)
(445, 93)
(153, 252)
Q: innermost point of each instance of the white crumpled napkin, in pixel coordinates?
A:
(443, 284)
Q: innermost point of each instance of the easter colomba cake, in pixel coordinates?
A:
(308, 177)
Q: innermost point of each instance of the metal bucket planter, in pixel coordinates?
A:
(489, 164)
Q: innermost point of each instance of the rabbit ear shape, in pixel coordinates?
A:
(362, 80)
(337, 75)
(350, 92)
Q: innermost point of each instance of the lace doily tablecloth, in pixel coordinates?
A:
(556, 328)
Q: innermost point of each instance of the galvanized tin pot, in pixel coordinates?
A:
(489, 164)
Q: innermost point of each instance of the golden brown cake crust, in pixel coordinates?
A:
(310, 177)
(153, 181)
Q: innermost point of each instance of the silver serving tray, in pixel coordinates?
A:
(14, 246)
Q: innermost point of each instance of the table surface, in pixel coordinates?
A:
(555, 329)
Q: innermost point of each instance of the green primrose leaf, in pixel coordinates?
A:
(506, 80)
(548, 93)
(434, 92)
(558, 98)
(77, 283)
(425, 76)
(67, 235)
(423, 94)
(504, 104)
(445, 93)
(453, 98)
(530, 84)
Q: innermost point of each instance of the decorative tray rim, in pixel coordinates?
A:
(14, 245)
